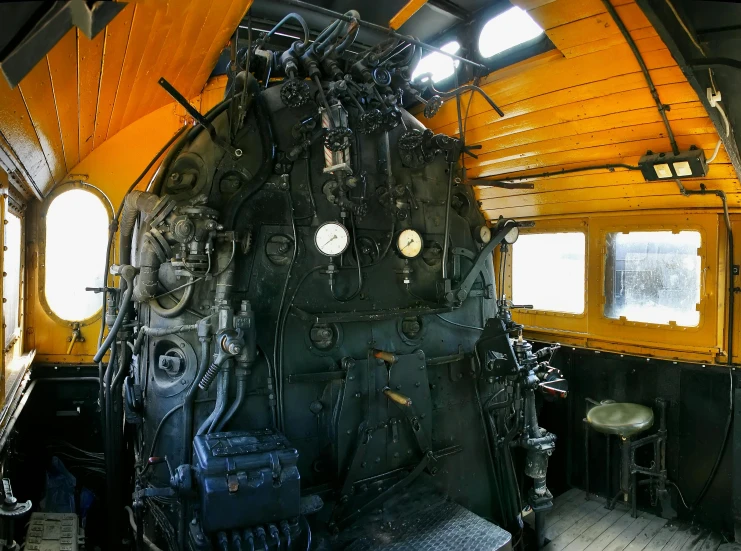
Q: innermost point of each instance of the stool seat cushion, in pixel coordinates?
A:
(623, 419)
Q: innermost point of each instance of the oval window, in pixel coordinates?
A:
(76, 239)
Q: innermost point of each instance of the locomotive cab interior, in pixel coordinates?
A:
(414, 274)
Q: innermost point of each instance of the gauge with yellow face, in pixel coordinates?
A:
(409, 243)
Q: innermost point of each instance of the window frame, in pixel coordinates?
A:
(666, 334)
(13, 207)
(701, 253)
(41, 278)
(547, 319)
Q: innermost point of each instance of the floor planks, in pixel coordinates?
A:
(578, 524)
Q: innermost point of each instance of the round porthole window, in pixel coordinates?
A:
(74, 254)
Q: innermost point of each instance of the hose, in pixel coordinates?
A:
(220, 405)
(132, 522)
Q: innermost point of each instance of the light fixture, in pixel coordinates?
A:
(667, 166)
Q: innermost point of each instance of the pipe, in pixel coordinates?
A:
(134, 527)
(446, 237)
(241, 375)
(189, 400)
(381, 30)
(466, 88)
(644, 69)
(127, 275)
(282, 22)
(221, 397)
(145, 330)
(176, 310)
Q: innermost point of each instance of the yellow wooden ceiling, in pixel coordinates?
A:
(85, 91)
(584, 104)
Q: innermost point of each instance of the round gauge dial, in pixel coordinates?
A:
(409, 243)
(482, 234)
(512, 235)
(331, 238)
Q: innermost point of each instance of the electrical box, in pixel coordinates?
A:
(667, 166)
(246, 478)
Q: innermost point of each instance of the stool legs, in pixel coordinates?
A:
(586, 458)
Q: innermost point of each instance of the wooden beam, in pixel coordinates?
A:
(406, 13)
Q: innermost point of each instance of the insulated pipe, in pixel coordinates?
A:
(238, 400)
(190, 398)
(127, 274)
(134, 203)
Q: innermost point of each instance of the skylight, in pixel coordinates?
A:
(506, 31)
(440, 65)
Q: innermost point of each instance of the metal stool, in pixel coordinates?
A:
(627, 420)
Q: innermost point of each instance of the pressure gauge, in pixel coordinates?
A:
(409, 243)
(331, 239)
(482, 234)
(511, 236)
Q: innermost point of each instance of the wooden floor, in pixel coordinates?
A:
(577, 524)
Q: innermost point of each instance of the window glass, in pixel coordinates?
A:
(76, 238)
(506, 31)
(653, 277)
(440, 65)
(548, 271)
(12, 279)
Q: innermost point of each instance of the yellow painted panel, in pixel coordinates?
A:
(146, 74)
(191, 21)
(562, 12)
(670, 82)
(629, 191)
(233, 17)
(538, 143)
(546, 126)
(37, 93)
(406, 13)
(615, 206)
(210, 24)
(600, 27)
(724, 173)
(613, 40)
(153, 96)
(90, 60)
(63, 63)
(562, 75)
(136, 45)
(114, 49)
(622, 152)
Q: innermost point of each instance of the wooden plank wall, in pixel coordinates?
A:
(584, 104)
(85, 91)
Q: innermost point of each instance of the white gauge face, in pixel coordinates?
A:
(484, 234)
(409, 243)
(331, 238)
(512, 235)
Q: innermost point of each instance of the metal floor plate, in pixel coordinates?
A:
(444, 526)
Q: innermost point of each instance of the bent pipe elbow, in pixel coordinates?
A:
(176, 310)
